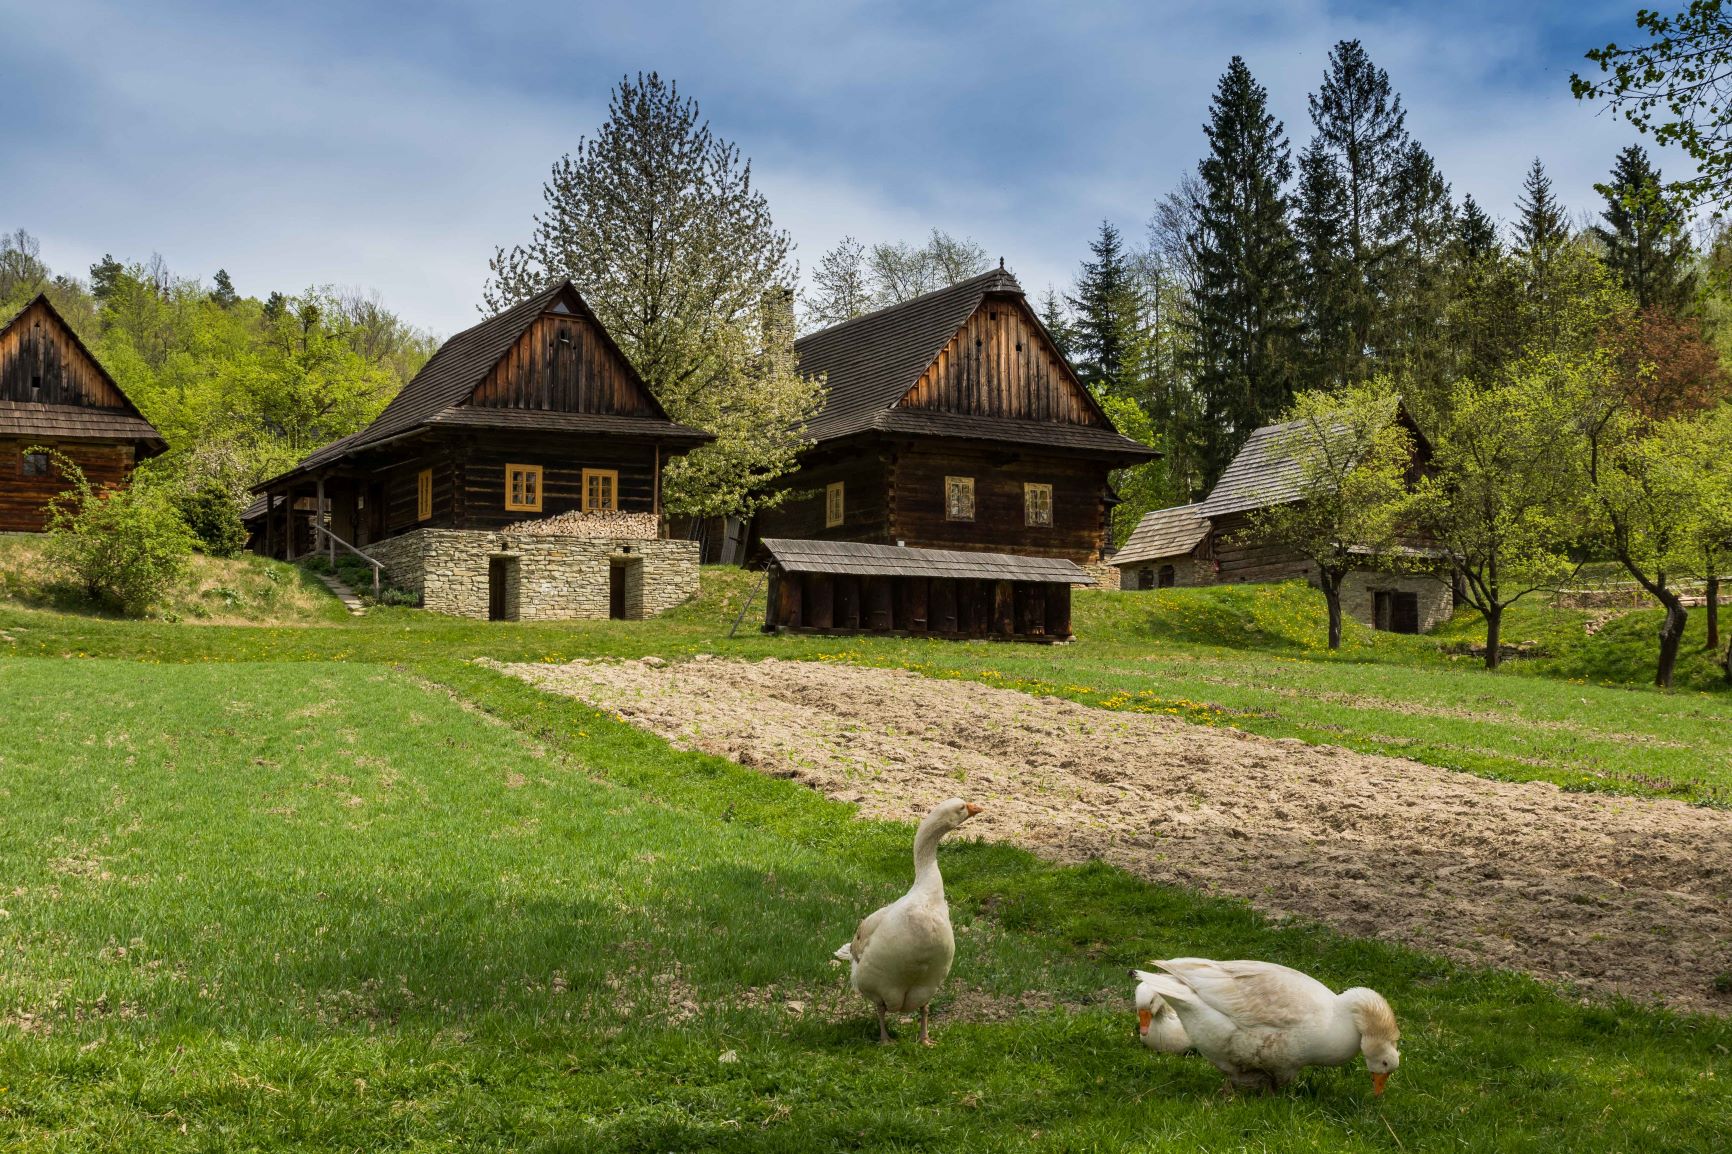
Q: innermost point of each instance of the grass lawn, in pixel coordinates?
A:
(1249, 657)
(345, 905)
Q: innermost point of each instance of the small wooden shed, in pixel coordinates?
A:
(855, 587)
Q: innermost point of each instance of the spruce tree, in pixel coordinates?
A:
(224, 293)
(1320, 224)
(1106, 331)
(1246, 314)
(1646, 245)
(1413, 287)
(1362, 130)
(1542, 229)
(1052, 314)
(1475, 232)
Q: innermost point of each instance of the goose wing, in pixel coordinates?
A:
(1253, 994)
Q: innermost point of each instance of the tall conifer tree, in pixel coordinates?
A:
(1542, 229)
(1362, 134)
(1646, 244)
(1106, 333)
(1246, 314)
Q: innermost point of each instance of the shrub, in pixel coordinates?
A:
(213, 513)
(123, 548)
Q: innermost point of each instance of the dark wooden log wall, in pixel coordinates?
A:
(1001, 365)
(1239, 558)
(23, 499)
(864, 474)
(955, 608)
(40, 361)
(1079, 501)
(562, 364)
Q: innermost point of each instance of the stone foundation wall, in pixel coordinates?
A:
(1105, 576)
(548, 578)
(1187, 572)
(1436, 598)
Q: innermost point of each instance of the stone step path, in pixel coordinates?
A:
(344, 594)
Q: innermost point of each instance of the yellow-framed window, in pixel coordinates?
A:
(523, 488)
(424, 495)
(834, 505)
(601, 490)
(959, 498)
(1037, 504)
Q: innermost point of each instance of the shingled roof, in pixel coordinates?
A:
(1163, 533)
(866, 560)
(1268, 470)
(436, 395)
(871, 362)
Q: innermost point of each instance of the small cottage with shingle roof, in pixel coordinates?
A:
(952, 421)
(55, 395)
(1222, 550)
(517, 476)
(1169, 547)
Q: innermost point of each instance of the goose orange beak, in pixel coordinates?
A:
(1377, 1081)
(973, 809)
(1144, 1019)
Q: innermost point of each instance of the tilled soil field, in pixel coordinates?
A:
(1620, 895)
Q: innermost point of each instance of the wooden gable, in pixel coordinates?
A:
(43, 361)
(564, 362)
(1002, 363)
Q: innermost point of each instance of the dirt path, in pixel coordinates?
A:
(1622, 895)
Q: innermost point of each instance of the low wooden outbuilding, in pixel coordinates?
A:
(55, 395)
(854, 587)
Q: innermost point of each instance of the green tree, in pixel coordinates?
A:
(1675, 86)
(1542, 228)
(1351, 457)
(22, 273)
(657, 222)
(1644, 235)
(122, 548)
(1328, 354)
(1245, 309)
(1704, 442)
(1410, 335)
(1106, 331)
(1503, 500)
(1361, 135)
(840, 290)
(223, 291)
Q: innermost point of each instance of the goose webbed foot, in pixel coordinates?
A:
(925, 1038)
(883, 1029)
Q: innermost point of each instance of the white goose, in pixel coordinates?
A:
(1157, 1024)
(1260, 1023)
(901, 954)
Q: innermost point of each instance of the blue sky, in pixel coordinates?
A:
(392, 146)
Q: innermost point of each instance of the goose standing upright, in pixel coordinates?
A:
(1260, 1023)
(901, 953)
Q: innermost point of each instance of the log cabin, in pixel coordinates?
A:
(952, 421)
(517, 476)
(1212, 543)
(55, 395)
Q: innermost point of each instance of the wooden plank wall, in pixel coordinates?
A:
(865, 501)
(22, 498)
(483, 478)
(1079, 494)
(1239, 559)
(561, 364)
(1002, 365)
(40, 361)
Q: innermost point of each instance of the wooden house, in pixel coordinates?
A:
(522, 439)
(953, 422)
(54, 394)
(1212, 541)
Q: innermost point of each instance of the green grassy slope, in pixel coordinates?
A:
(301, 905)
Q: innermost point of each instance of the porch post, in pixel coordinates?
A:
(319, 519)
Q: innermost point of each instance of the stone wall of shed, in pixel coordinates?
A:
(556, 578)
(1436, 598)
(1188, 572)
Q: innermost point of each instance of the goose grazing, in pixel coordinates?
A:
(900, 954)
(1157, 1025)
(1260, 1023)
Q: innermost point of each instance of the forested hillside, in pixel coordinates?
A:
(240, 386)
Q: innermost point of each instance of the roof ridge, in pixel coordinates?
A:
(993, 273)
